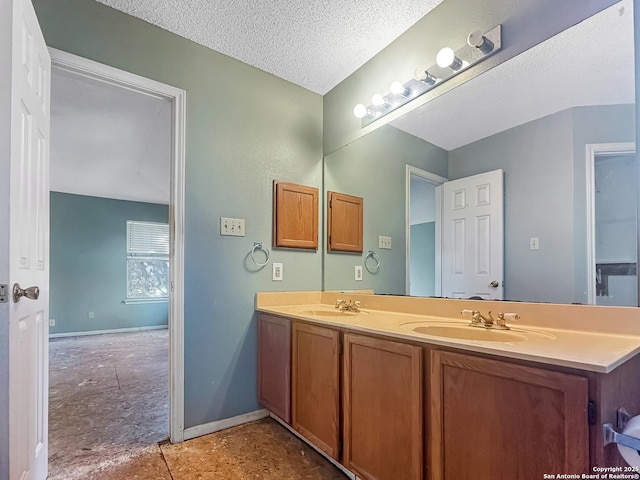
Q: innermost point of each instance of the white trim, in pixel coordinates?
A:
(111, 330)
(593, 149)
(212, 427)
(341, 467)
(436, 180)
(113, 76)
(137, 301)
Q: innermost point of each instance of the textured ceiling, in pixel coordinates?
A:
(313, 43)
(588, 64)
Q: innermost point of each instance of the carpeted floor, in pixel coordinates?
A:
(108, 419)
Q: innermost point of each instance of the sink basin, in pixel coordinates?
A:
(465, 332)
(326, 313)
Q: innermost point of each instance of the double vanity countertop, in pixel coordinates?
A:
(562, 335)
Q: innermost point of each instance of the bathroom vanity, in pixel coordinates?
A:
(405, 389)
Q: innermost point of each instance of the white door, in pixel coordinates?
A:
(28, 201)
(473, 237)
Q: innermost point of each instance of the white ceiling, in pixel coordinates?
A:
(591, 63)
(107, 141)
(313, 43)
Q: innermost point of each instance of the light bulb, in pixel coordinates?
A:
(398, 88)
(447, 58)
(378, 100)
(482, 43)
(424, 76)
(360, 111)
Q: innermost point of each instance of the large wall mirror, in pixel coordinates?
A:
(559, 121)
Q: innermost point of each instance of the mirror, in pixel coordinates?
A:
(534, 117)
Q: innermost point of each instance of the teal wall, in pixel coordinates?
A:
(374, 167)
(423, 259)
(88, 265)
(244, 128)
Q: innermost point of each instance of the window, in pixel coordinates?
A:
(147, 261)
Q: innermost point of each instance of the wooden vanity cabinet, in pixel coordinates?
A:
(382, 408)
(274, 365)
(494, 419)
(315, 384)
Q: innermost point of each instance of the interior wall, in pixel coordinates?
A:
(543, 163)
(375, 169)
(422, 271)
(525, 23)
(245, 128)
(88, 254)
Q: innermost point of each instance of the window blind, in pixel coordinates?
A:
(147, 238)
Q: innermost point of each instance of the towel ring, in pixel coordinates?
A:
(376, 258)
(260, 246)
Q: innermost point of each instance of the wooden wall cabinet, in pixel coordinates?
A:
(382, 408)
(274, 365)
(295, 216)
(315, 383)
(344, 223)
(494, 419)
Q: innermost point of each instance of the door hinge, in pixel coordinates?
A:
(4, 293)
(592, 412)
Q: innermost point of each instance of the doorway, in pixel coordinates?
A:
(423, 209)
(612, 224)
(81, 69)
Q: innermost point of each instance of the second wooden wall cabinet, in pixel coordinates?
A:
(344, 223)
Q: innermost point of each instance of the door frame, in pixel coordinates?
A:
(593, 149)
(437, 180)
(113, 76)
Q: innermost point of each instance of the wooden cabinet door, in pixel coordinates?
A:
(295, 216)
(495, 420)
(274, 365)
(315, 386)
(382, 398)
(344, 223)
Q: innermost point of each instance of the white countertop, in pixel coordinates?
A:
(584, 350)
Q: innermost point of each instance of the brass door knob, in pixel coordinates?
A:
(494, 284)
(32, 293)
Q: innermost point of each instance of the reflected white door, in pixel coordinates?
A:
(28, 200)
(473, 237)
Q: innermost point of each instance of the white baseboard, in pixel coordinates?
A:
(113, 330)
(207, 428)
(339, 466)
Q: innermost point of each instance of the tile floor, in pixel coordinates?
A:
(108, 420)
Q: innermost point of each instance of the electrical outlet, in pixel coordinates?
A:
(91, 315)
(232, 226)
(384, 242)
(277, 271)
(52, 322)
(358, 272)
(534, 243)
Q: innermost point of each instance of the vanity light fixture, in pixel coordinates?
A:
(446, 58)
(449, 63)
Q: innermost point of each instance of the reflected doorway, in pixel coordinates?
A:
(612, 225)
(423, 277)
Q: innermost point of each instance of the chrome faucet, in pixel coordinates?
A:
(352, 306)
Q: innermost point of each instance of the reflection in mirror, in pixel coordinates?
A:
(535, 117)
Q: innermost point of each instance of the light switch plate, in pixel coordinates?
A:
(52, 322)
(384, 242)
(534, 243)
(277, 271)
(232, 226)
(358, 272)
